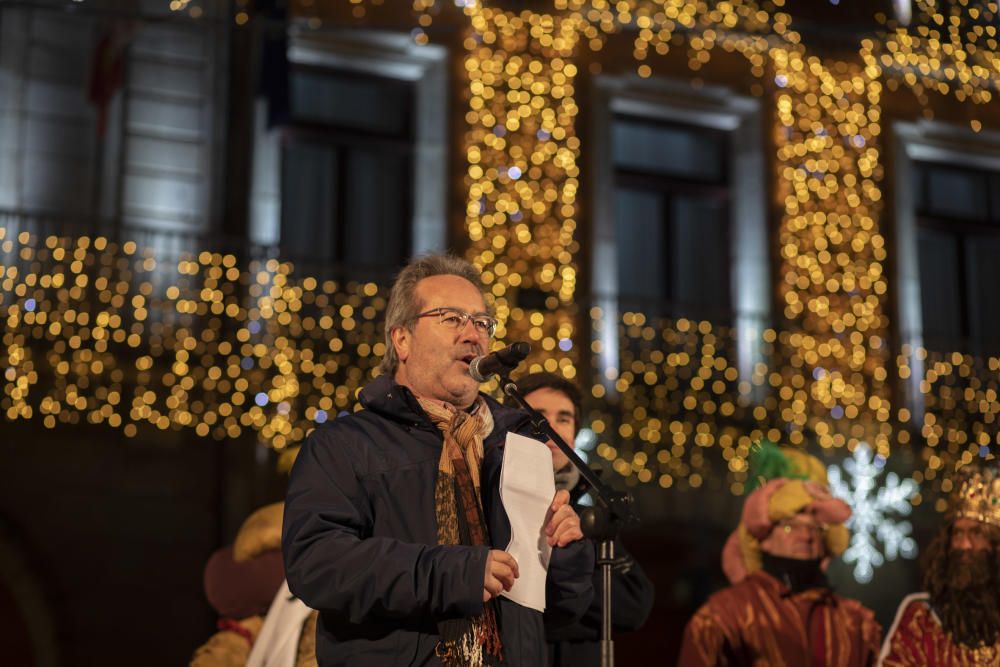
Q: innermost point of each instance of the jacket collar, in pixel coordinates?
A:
(395, 401)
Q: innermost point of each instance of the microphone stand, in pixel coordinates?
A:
(612, 510)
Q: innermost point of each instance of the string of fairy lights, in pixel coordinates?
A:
(832, 251)
(102, 333)
(106, 333)
(522, 177)
(99, 332)
(951, 50)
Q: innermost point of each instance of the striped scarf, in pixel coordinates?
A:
(464, 642)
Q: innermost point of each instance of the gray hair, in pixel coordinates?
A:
(403, 304)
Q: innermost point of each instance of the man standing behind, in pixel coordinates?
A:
(780, 609)
(957, 621)
(388, 531)
(578, 644)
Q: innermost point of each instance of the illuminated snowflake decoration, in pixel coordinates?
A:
(876, 536)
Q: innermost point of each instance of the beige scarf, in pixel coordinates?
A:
(460, 520)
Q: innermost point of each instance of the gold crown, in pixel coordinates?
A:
(978, 497)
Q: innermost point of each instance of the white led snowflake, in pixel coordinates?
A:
(875, 535)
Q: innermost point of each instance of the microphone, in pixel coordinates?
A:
(505, 359)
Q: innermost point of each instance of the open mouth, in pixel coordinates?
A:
(467, 359)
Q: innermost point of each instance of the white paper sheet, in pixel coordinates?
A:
(527, 486)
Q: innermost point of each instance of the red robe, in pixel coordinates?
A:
(759, 622)
(917, 639)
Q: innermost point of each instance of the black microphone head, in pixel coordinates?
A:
(518, 351)
(474, 370)
(513, 354)
(505, 359)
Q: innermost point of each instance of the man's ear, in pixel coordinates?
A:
(402, 338)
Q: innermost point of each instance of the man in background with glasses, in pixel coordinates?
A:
(780, 609)
(393, 516)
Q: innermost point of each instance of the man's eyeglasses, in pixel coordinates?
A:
(455, 320)
(790, 525)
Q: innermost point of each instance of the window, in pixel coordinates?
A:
(679, 210)
(671, 209)
(346, 170)
(958, 244)
(47, 134)
(150, 173)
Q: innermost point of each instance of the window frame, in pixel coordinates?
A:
(344, 140)
(667, 187)
(937, 143)
(961, 229)
(749, 234)
(367, 53)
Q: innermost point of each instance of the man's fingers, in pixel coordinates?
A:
(493, 586)
(560, 499)
(507, 581)
(501, 571)
(514, 567)
(568, 532)
(505, 574)
(571, 536)
(564, 527)
(504, 557)
(559, 531)
(564, 513)
(508, 560)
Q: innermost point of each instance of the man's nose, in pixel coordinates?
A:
(469, 332)
(962, 542)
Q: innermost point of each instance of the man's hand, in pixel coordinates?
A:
(501, 571)
(563, 525)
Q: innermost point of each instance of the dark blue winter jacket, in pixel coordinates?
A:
(360, 540)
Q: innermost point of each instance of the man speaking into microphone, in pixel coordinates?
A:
(388, 530)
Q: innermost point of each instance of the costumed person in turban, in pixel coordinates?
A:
(260, 622)
(780, 609)
(957, 620)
